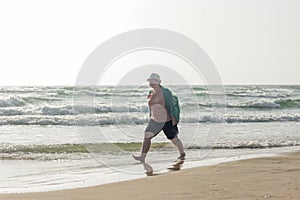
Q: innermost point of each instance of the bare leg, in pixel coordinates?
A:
(146, 145)
(145, 148)
(177, 142)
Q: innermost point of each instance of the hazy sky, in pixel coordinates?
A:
(250, 41)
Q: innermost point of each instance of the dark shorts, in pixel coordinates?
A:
(168, 128)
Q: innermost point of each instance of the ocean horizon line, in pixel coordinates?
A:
(113, 85)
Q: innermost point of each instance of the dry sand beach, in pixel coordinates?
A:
(260, 178)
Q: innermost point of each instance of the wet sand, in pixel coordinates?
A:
(260, 178)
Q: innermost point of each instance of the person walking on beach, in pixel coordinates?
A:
(163, 116)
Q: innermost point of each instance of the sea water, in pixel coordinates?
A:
(53, 138)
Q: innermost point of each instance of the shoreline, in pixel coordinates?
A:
(275, 177)
(95, 176)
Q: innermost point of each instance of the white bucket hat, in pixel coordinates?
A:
(154, 78)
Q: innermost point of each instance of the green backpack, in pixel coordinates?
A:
(175, 101)
(176, 104)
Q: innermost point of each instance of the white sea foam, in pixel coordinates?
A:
(257, 104)
(11, 101)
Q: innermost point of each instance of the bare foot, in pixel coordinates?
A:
(139, 158)
(182, 156)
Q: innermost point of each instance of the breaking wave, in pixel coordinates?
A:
(11, 101)
(92, 120)
(61, 151)
(256, 104)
